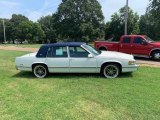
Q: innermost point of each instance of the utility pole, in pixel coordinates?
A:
(4, 31)
(126, 19)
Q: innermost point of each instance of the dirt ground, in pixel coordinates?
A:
(141, 62)
(14, 48)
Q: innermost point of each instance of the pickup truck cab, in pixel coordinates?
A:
(137, 45)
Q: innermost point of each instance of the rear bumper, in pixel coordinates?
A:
(23, 68)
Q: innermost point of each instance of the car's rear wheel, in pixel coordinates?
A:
(111, 70)
(40, 71)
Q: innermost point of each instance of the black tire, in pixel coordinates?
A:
(40, 71)
(111, 71)
(156, 55)
(102, 49)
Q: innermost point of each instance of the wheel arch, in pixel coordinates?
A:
(102, 48)
(34, 64)
(111, 62)
(153, 50)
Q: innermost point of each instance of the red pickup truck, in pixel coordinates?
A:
(137, 45)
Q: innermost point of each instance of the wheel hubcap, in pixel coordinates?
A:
(40, 71)
(157, 56)
(111, 71)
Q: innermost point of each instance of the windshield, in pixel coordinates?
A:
(91, 49)
(148, 39)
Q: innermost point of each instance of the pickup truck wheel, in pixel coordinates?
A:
(156, 55)
(111, 71)
(40, 71)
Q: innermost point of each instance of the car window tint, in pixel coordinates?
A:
(138, 40)
(126, 40)
(78, 52)
(57, 52)
(42, 53)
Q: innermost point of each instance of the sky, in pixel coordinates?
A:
(34, 9)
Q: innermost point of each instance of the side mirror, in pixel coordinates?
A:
(90, 56)
(144, 43)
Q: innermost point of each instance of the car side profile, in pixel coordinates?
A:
(75, 57)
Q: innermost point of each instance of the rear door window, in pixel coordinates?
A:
(57, 52)
(126, 40)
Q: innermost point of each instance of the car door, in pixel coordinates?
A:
(57, 60)
(80, 62)
(125, 45)
(138, 47)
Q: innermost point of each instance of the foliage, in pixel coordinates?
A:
(48, 25)
(115, 28)
(21, 29)
(150, 22)
(79, 19)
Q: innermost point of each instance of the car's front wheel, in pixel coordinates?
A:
(40, 71)
(156, 55)
(111, 70)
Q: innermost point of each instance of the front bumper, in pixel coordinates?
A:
(130, 68)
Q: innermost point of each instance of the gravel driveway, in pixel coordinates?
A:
(140, 61)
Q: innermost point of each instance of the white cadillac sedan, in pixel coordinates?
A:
(75, 57)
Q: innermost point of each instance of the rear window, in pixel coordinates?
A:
(126, 40)
(42, 53)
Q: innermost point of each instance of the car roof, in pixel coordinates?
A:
(42, 52)
(65, 44)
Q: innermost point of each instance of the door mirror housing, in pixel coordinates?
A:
(90, 56)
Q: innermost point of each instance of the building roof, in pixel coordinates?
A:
(65, 44)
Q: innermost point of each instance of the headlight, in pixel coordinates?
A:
(131, 62)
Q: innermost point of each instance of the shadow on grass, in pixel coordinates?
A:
(68, 75)
(24, 75)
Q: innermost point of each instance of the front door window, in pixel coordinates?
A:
(78, 52)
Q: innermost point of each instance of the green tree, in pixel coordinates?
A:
(21, 29)
(32, 32)
(147, 26)
(150, 22)
(37, 33)
(116, 26)
(15, 22)
(48, 24)
(80, 20)
(25, 31)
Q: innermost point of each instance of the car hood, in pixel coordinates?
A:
(111, 54)
(156, 43)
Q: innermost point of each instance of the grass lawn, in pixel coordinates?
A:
(77, 96)
(23, 45)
